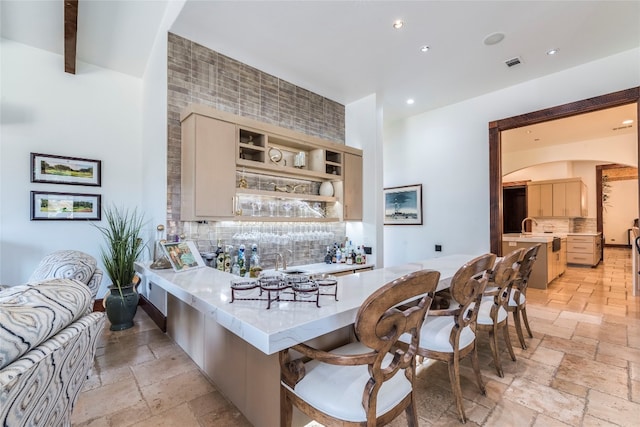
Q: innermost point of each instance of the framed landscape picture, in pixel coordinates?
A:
(46, 205)
(183, 255)
(403, 205)
(65, 170)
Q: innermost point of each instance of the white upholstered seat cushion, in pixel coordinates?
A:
(435, 332)
(337, 390)
(484, 315)
(512, 299)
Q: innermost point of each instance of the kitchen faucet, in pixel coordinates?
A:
(524, 221)
(279, 255)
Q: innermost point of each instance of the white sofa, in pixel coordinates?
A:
(48, 338)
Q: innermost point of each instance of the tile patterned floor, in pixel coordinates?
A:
(582, 368)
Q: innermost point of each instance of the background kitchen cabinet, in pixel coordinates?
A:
(539, 200)
(352, 187)
(208, 169)
(584, 249)
(570, 198)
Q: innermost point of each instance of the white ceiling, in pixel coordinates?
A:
(345, 50)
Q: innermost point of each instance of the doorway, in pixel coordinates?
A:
(514, 208)
(628, 96)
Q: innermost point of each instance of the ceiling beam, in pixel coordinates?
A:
(70, 35)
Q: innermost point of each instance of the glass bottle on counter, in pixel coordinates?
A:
(242, 261)
(254, 265)
(358, 256)
(327, 257)
(219, 257)
(227, 259)
(235, 269)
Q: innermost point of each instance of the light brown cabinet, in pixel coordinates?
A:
(570, 199)
(233, 167)
(352, 187)
(539, 200)
(208, 169)
(557, 198)
(548, 265)
(584, 249)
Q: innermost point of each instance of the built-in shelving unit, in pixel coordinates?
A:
(263, 153)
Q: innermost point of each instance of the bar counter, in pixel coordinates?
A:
(236, 344)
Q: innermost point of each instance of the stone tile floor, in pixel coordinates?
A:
(582, 368)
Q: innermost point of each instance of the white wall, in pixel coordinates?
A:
(363, 131)
(620, 211)
(94, 114)
(447, 151)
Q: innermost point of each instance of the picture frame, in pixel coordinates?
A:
(183, 255)
(403, 205)
(52, 169)
(47, 205)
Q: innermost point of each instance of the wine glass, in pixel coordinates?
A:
(287, 208)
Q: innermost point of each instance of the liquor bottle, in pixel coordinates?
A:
(327, 257)
(227, 259)
(219, 257)
(242, 261)
(338, 256)
(254, 266)
(359, 256)
(235, 269)
(349, 258)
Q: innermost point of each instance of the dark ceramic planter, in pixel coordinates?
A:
(121, 309)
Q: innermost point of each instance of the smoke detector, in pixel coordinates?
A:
(513, 61)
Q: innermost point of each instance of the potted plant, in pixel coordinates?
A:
(123, 246)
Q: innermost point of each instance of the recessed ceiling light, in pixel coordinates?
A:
(493, 38)
(627, 122)
(424, 48)
(410, 101)
(552, 51)
(398, 23)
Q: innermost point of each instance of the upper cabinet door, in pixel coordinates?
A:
(208, 169)
(352, 187)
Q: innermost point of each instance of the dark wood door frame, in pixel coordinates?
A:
(615, 99)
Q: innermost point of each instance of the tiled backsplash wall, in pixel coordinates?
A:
(565, 225)
(198, 75)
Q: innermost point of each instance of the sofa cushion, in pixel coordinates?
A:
(31, 313)
(67, 264)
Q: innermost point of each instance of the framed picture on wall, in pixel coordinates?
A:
(403, 205)
(46, 205)
(65, 170)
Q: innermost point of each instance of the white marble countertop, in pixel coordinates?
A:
(324, 268)
(584, 234)
(533, 237)
(286, 323)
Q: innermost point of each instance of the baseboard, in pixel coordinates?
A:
(156, 315)
(97, 305)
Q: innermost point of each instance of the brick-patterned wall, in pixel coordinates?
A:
(198, 75)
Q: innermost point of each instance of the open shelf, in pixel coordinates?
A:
(284, 195)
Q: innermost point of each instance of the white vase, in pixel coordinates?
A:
(326, 189)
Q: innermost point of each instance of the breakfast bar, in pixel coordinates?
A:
(236, 344)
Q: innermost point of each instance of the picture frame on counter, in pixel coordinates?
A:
(403, 205)
(52, 169)
(183, 255)
(47, 205)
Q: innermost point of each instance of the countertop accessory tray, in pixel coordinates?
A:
(284, 287)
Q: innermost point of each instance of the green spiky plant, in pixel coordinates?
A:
(123, 244)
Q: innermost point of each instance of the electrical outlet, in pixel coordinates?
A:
(438, 248)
